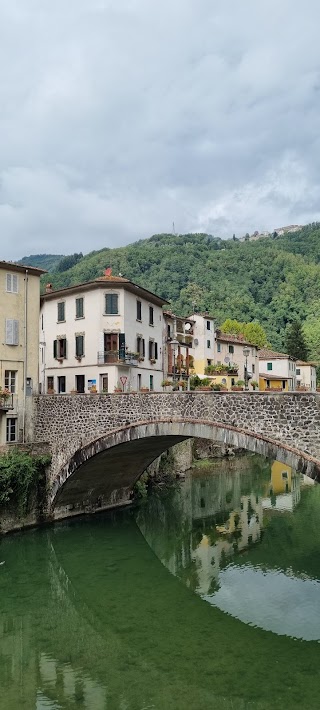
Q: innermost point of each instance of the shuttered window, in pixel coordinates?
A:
(12, 283)
(61, 311)
(111, 303)
(60, 348)
(79, 345)
(156, 351)
(12, 332)
(79, 308)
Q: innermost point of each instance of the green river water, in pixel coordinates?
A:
(204, 596)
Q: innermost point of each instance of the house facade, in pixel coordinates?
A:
(19, 348)
(104, 335)
(277, 371)
(306, 375)
(234, 350)
(203, 346)
(178, 362)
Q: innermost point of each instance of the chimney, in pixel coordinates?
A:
(49, 288)
(108, 271)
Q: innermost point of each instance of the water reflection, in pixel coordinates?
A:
(211, 531)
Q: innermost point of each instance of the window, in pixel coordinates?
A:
(60, 348)
(79, 308)
(298, 370)
(10, 380)
(208, 344)
(12, 429)
(61, 384)
(50, 384)
(12, 283)
(151, 383)
(231, 349)
(208, 325)
(111, 304)
(169, 330)
(79, 345)
(283, 384)
(12, 332)
(61, 311)
(252, 368)
(284, 475)
(138, 310)
(268, 383)
(209, 362)
(269, 366)
(153, 350)
(141, 347)
(151, 316)
(218, 347)
(139, 382)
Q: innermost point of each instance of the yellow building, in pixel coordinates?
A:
(277, 371)
(19, 348)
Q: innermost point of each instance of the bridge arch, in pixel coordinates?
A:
(104, 471)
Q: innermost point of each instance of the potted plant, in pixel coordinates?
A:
(144, 389)
(238, 387)
(93, 389)
(182, 384)
(254, 385)
(153, 361)
(50, 390)
(166, 383)
(117, 387)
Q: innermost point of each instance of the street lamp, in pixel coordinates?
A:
(174, 344)
(246, 352)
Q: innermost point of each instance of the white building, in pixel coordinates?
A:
(230, 350)
(277, 370)
(101, 335)
(306, 375)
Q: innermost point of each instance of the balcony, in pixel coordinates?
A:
(118, 357)
(6, 402)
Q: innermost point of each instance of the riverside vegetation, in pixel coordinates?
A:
(275, 280)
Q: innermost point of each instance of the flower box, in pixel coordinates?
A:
(235, 388)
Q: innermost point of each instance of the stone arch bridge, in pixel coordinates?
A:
(101, 444)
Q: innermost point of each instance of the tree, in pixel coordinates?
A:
(295, 341)
(253, 332)
(231, 325)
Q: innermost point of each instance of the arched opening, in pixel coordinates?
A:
(104, 472)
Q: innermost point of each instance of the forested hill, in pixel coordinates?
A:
(273, 280)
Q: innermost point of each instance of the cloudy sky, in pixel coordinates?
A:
(119, 117)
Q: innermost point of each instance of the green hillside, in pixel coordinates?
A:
(42, 261)
(274, 280)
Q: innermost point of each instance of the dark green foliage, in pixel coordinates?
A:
(295, 341)
(67, 262)
(42, 261)
(20, 476)
(272, 280)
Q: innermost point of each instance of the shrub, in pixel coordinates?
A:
(20, 476)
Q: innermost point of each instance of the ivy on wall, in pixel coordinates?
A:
(22, 477)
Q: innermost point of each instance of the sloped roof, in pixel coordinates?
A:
(231, 338)
(266, 354)
(33, 270)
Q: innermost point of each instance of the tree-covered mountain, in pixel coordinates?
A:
(42, 261)
(273, 280)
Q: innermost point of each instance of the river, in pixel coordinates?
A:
(206, 596)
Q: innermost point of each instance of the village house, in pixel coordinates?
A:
(277, 371)
(104, 335)
(178, 363)
(19, 348)
(237, 354)
(306, 375)
(202, 350)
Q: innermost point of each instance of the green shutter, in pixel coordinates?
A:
(55, 344)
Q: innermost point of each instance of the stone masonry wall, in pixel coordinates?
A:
(70, 422)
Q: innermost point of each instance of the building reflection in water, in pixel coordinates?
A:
(198, 529)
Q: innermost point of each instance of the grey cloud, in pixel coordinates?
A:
(118, 118)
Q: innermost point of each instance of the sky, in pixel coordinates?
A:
(118, 118)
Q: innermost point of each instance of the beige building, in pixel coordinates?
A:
(202, 350)
(104, 335)
(235, 350)
(306, 375)
(19, 347)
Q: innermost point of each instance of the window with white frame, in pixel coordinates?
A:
(80, 307)
(12, 331)
(12, 429)
(80, 345)
(61, 316)
(12, 283)
(10, 380)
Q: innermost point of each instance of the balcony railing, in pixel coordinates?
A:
(6, 402)
(118, 357)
